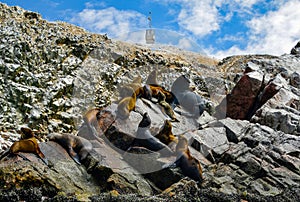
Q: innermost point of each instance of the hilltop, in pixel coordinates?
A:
(52, 73)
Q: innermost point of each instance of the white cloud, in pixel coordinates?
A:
(202, 17)
(274, 33)
(185, 44)
(110, 20)
(199, 17)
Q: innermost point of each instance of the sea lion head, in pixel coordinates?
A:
(161, 96)
(26, 133)
(146, 121)
(147, 92)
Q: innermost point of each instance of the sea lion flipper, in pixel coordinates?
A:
(4, 154)
(74, 155)
(45, 160)
(76, 159)
(169, 165)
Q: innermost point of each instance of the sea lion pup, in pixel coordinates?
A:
(152, 78)
(189, 165)
(166, 107)
(165, 134)
(29, 145)
(126, 105)
(77, 147)
(145, 139)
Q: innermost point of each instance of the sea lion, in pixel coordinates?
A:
(144, 138)
(126, 105)
(91, 116)
(189, 165)
(26, 133)
(29, 145)
(165, 134)
(166, 107)
(193, 103)
(147, 93)
(170, 97)
(124, 90)
(152, 78)
(77, 147)
(91, 121)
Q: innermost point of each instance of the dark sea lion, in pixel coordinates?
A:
(189, 165)
(77, 147)
(126, 105)
(144, 138)
(193, 103)
(165, 134)
(152, 78)
(181, 84)
(166, 107)
(147, 93)
(29, 145)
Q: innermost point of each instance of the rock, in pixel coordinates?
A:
(210, 140)
(295, 80)
(53, 73)
(243, 96)
(278, 113)
(64, 175)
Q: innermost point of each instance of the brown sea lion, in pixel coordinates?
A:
(77, 147)
(170, 97)
(26, 133)
(29, 145)
(189, 165)
(165, 134)
(144, 138)
(91, 121)
(126, 105)
(166, 107)
(125, 91)
(91, 116)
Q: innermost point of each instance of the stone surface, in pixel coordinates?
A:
(53, 73)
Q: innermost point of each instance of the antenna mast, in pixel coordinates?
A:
(150, 20)
(150, 34)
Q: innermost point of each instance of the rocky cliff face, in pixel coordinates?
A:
(53, 72)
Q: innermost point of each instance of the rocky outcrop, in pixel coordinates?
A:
(53, 73)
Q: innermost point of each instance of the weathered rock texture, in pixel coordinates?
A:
(248, 141)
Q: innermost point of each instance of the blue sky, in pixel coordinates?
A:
(218, 28)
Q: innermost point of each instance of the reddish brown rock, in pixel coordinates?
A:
(237, 104)
(249, 94)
